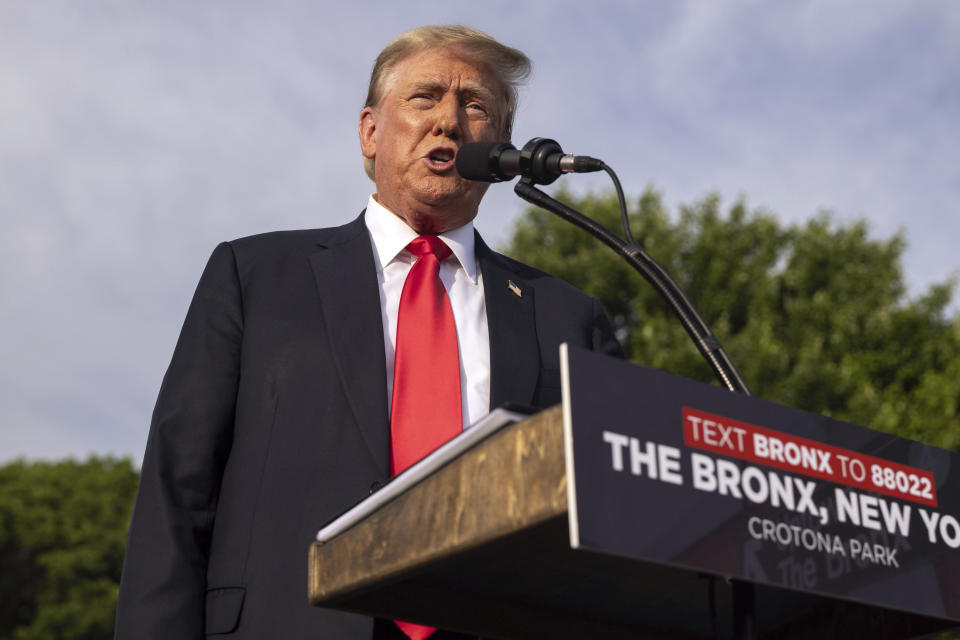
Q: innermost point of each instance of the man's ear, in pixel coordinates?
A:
(368, 132)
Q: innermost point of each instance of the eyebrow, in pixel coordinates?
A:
(469, 89)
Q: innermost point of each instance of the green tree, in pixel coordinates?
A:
(815, 315)
(62, 533)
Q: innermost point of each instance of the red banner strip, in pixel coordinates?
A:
(773, 448)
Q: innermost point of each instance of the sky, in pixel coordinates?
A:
(136, 136)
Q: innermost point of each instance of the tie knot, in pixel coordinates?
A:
(422, 245)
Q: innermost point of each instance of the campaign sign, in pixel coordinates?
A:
(681, 473)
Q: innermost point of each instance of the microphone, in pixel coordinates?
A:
(541, 160)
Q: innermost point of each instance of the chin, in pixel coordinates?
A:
(455, 195)
(451, 199)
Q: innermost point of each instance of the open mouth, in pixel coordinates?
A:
(441, 158)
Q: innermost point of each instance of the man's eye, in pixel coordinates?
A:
(476, 107)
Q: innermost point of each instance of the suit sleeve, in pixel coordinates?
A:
(164, 575)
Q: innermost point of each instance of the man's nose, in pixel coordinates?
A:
(448, 118)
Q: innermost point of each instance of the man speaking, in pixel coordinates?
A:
(314, 365)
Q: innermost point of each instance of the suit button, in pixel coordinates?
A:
(375, 486)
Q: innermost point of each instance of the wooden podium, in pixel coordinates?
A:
(481, 546)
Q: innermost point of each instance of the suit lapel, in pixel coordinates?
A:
(514, 351)
(347, 283)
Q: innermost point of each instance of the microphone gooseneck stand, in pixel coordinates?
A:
(634, 255)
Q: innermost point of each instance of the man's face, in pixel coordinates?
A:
(435, 101)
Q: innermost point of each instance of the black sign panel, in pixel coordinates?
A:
(672, 471)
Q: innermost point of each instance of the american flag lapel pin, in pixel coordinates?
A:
(514, 289)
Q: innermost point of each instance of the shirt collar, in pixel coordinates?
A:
(390, 235)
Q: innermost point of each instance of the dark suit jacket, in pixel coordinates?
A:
(272, 419)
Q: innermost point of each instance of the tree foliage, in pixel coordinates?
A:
(62, 532)
(815, 315)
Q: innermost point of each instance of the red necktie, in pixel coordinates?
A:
(426, 409)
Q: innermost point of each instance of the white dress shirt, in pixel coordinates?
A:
(464, 284)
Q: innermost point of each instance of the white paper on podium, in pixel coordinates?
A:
(482, 428)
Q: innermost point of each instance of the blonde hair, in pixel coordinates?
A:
(508, 65)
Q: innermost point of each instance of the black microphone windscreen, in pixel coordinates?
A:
(473, 160)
